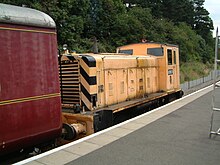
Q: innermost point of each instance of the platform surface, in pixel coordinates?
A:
(175, 134)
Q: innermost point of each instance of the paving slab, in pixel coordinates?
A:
(133, 125)
(34, 163)
(58, 158)
(102, 139)
(119, 132)
(82, 148)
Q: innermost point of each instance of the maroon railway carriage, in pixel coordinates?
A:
(30, 107)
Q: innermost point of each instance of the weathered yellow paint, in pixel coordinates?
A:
(86, 101)
(92, 89)
(90, 71)
(124, 78)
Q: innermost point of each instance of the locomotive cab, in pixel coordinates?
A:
(167, 56)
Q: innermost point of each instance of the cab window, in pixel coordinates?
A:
(126, 51)
(155, 51)
(174, 57)
(169, 56)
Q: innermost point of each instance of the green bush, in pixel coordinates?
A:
(194, 70)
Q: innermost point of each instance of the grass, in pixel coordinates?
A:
(194, 70)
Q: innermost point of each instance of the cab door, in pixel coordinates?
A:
(171, 69)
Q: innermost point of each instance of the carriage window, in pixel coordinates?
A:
(155, 51)
(128, 51)
(169, 56)
(174, 58)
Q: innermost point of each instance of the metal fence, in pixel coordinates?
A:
(194, 83)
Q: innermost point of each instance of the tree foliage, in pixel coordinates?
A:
(119, 22)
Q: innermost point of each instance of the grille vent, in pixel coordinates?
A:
(69, 82)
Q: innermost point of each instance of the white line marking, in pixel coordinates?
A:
(106, 130)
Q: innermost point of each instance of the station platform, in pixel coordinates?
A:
(177, 133)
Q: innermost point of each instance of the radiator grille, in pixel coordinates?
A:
(69, 82)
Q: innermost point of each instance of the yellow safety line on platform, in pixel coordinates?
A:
(27, 30)
(26, 99)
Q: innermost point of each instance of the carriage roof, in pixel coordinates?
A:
(25, 16)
